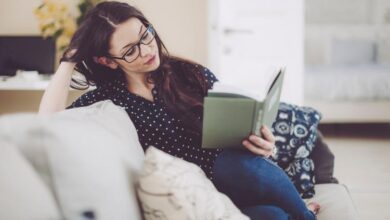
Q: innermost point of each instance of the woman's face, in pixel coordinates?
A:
(123, 43)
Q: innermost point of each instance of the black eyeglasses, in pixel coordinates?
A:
(133, 52)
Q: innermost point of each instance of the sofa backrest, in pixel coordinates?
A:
(87, 157)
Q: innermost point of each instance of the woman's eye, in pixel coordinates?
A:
(130, 52)
(146, 35)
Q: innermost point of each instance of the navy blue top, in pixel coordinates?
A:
(155, 125)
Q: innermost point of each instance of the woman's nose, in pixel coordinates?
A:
(145, 50)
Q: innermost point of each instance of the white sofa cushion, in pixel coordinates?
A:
(171, 188)
(23, 194)
(86, 155)
(335, 202)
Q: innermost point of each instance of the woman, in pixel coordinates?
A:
(117, 50)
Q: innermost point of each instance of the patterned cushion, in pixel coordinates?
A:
(171, 188)
(295, 129)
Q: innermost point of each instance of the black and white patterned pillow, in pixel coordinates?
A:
(295, 130)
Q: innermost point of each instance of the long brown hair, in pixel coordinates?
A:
(92, 39)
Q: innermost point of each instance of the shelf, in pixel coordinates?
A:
(37, 82)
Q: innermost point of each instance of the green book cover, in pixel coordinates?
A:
(231, 116)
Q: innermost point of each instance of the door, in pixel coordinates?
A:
(247, 37)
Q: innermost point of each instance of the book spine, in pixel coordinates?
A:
(257, 119)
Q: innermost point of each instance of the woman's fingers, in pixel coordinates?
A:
(261, 146)
(255, 149)
(261, 143)
(267, 134)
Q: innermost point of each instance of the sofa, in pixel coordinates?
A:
(87, 163)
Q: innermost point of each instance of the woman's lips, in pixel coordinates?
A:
(151, 60)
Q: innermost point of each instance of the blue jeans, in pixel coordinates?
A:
(259, 188)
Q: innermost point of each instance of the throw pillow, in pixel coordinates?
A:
(295, 130)
(171, 188)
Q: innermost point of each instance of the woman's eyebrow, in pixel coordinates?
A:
(140, 30)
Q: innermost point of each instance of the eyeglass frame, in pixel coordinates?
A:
(138, 44)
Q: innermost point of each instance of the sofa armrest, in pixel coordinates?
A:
(336, 202)
(323, 159)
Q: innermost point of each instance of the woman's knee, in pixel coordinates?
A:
(247, 178)
(242, 165)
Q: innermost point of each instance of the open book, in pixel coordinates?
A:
(231, 114)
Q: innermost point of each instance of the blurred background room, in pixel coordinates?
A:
(337, 54)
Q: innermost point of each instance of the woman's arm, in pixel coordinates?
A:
(56, 94)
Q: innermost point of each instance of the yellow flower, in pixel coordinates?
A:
(63, 41)
(48, 31)
(55, 20)
(69, 26)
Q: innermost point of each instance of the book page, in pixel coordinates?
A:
(257, 92)
(220, 87)
(273, 78)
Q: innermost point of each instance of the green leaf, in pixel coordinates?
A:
(58, 33)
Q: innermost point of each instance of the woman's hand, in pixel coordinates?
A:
(68, 55)
(261, 146)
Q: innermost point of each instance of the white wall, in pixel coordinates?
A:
(250, 35)
(365, 21)
(17, 18)
(182, 24)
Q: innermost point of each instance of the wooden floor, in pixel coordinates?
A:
(363, 163)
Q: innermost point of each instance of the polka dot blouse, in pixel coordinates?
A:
(155, 125)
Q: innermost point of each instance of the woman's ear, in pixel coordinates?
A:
(105, 62)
